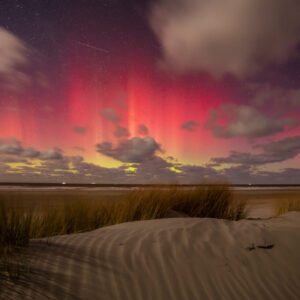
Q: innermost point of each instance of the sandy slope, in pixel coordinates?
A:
(181, 258)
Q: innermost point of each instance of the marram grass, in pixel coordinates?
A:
(17, 225)
(286, 205)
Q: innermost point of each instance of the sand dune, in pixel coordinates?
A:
(178, 258)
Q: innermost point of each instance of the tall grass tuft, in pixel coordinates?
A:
(17, 226)
(284, 206)
(209, 201)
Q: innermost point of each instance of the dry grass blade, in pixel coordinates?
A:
(284, 206)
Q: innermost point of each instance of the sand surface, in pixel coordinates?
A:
(179, 258)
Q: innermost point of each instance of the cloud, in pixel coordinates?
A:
(149, 168)
(248, 159)
(111, 115)
(280, 99)
(189, 126)
(121, 132)
(14, 149)
(80, 130)
(290, 145)
(155, 170)
(133, 150)
(13, 58)
(219, 37)
(30, 152)
(273, 152)
(52, 154)
(244, 175)
(245, 121)
(12, 146)
(198, 174)
(143, 129)
(12, 159)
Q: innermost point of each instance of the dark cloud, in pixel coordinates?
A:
(145, 166)
(61, 170)
(80, 130)
(238, 37)
(30, 152)
(189, 125)
(111, 115)
(121, 132)
(12, 159)
(143, 130)
(289, 145)
(153, 170)
(279, 100)
(14, 149)
(247, 159)
(198, 174)
(246, 174)
(273, 152)
(12, 146)
(245, 121)
(132, 150)
(52, 154)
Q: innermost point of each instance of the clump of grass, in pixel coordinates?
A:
(212, 201)
(141, 205)
(15, 228)
(73, 217)
(284, 206)
(209, 201)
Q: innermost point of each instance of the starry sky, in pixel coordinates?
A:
(157, 91)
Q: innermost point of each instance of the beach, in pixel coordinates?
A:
(176, 258)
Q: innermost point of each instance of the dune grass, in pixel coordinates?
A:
(18, 225)
(212, 201)
(286, 205)
(15, 226)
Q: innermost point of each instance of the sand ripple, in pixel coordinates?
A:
(181, 258)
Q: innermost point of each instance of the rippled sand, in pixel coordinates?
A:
(179, 258)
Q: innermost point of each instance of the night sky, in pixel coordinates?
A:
(131, 91)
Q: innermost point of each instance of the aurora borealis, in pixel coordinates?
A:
(149, 91)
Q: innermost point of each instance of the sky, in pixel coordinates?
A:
(157, 91)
